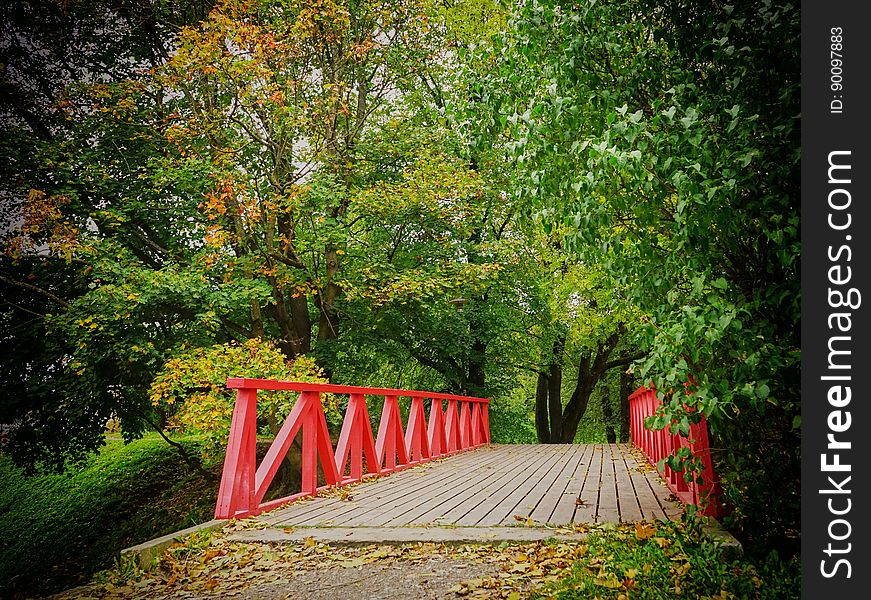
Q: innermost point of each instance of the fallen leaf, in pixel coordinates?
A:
(608, 582)
(644, 531)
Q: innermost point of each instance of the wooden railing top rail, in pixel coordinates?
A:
(329, 388)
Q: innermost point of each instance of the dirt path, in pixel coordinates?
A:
(211, 566)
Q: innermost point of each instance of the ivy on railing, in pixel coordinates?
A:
(680, 451)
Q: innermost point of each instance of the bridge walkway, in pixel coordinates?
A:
(497, 486)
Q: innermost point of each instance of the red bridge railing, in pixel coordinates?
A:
(659, 444)
(461, 425)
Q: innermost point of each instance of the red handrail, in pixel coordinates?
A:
(659, 444)
(244, 484)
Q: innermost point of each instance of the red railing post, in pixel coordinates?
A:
(485, 417)
(236, 491)
(416, 442)
(452, 427)
(391, 442)
(465, 426)
(309, 453)
(356, 438)
(436, 431)
(476, 424)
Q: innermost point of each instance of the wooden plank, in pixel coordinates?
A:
(375, 502)
(493, 498)
(385, 483)
(479, 487)
(402, 510)
(606, 510)
(627, 500)
(650, 508)
(439, 507)
(588, 496)
(566, 504)
(548, 501)
(671, 507)
(457, 508)
(512, 505)
(397, 485)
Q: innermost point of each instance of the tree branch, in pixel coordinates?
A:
(38, 290)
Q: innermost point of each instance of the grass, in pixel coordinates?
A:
(671, 560)
(60, 529)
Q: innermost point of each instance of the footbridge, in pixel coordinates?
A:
(425, 471)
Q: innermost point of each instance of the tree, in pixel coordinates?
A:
(650, 130)
(587, 329)
(56, 414)
(225, 181)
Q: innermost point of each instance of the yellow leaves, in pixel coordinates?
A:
(610, 581)
(191, 386)
(43, 222)
(644, 531)
(360, 51)
(662, 542)
(527, 521)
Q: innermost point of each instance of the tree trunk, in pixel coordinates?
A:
(576, 409)
(475, 380)
(554, 391)
(542, 428)
(611, 427)
(627, 386)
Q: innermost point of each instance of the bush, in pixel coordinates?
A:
(60, 529)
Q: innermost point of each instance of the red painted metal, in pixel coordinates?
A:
(244, 484)
(659, 444)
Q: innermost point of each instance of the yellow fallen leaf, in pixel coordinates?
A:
(644, 531)
(608, 582)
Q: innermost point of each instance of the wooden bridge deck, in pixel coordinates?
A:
(497, 486)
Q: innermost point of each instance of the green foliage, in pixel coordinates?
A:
(511, 418)
(191, 389)
(651, 133)
(60, 529)
(672, 560)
